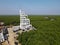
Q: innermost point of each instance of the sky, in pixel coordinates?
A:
(39, 7)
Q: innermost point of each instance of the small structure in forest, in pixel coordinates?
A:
(52, 19)
(46, 17)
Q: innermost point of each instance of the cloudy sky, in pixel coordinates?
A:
(30, 6)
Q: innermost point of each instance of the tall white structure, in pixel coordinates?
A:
(24, 22)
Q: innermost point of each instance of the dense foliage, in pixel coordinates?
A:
(47, 33)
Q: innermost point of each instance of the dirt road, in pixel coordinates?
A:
(10, 38)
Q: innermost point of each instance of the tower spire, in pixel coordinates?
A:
(24, 21)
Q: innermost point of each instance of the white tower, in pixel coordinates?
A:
(24, 22)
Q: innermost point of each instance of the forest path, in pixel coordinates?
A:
(10, 38)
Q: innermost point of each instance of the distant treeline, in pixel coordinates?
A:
(15, 19)
(10, 19)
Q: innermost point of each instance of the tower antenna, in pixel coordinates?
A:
(24, 21)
